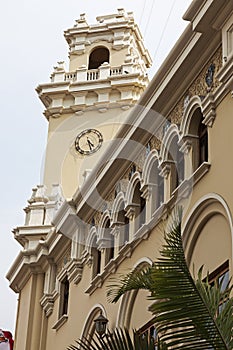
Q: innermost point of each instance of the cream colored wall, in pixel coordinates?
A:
(208, 237)
(220, 152)
(80, 303)
(116, 58)
(23, 317)
(213, 246)
(63, 164)
(30, 315)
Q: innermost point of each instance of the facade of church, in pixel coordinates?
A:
(121, 154)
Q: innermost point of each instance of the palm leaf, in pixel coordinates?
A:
(184, 311)
(118, 339)
(220, 306)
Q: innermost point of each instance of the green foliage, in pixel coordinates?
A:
(118, 339)
(185, 312)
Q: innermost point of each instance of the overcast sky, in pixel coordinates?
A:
(32, 42)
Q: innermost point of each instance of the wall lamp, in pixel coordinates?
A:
(101, 324)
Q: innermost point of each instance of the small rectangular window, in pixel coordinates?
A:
(149, 331)
(64, 297)
(220, 277)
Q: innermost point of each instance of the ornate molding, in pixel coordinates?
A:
(130, 211)
(146, 190)
(155, 142)
(165, 169)
(116, 229)
(95, 283)
(186, 144)
(74, 271)
(209, 109)
(47, 302)
(200, 87)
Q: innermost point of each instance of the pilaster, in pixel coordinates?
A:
(131, 212)
(149, 192)
(166, 173)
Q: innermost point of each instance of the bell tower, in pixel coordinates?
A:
(86, 103)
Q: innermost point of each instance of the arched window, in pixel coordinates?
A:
(160, 191)
(158, 181)
(142, 214)
(179, 167)
(196, 131)
(124, 226)
(96, 256)
(203, 143)
(109, 241)
(97, 57)
(177, 157)
(155, 182)
(141, 207)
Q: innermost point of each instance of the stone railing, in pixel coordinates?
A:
(72, 76)
(116, 71)
(92, 74)
(83, 74)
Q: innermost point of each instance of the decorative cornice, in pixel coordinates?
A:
(209, 109)
(95, 283)
(130, 210)
(74, 271)
(165, 167)
(47, 302)
(186, 144)
(36, 258)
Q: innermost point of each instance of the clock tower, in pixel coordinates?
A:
(86, 103)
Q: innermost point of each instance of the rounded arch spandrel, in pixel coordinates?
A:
(213, 244)
(89, 325)
(208, 235)
(133, 309)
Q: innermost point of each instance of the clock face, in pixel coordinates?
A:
(88, 141)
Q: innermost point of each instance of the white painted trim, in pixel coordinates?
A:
(202, 203)
(90, 317)
(194, 103)
(125, 300)
(171, 132)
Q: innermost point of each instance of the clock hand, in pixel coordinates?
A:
(90, 144)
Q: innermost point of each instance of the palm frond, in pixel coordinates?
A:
(184, 311)
(220, 305)
(118, 339)
(134, 280)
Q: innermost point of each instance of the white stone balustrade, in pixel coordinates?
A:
(83, 74)
(104, 70)
(92, 74)
(116, 71)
